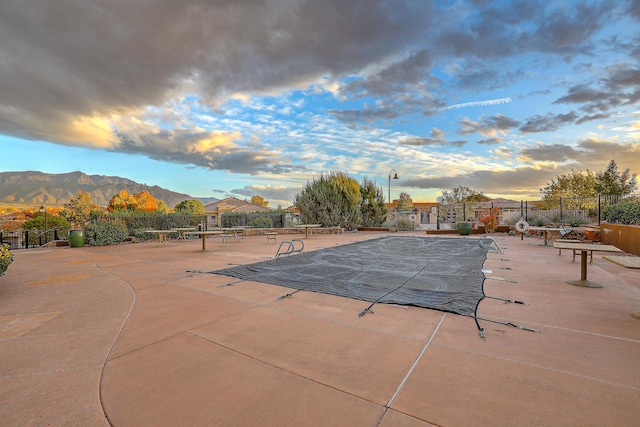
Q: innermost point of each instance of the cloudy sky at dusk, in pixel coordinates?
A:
(220, 97)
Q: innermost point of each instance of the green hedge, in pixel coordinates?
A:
(626, 212)
(102, 233)
(262, 222)
(6, 258)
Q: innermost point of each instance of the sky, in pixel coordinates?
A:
(218, 98)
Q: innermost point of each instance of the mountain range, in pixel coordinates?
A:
(39, 188)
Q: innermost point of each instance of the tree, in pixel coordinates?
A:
(146, 202)
(611, 182)
(490, 219)
(404, 202)
(190, 207)
(80, 208)
(123, 201)
(460, 194)
(581, 185)
(331, 200)
(39, 221)
(257, 200)
(372, 206)
(162, 206)
(569, 186)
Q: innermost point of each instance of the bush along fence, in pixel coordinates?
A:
(135, 225)
(254, 219)
(137, 221)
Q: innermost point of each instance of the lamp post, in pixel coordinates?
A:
(44, 211)
(395, 176)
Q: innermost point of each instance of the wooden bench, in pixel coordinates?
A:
(271, 235)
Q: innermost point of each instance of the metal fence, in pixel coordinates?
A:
(254, 219)
(157, 221)
(574, 211)
(24, 239)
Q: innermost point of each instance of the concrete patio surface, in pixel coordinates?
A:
(139, 334)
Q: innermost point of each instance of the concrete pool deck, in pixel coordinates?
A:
(133, 335)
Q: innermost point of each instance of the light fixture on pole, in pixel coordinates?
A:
(395, 176)
(44, 211)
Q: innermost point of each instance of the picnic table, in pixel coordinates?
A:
(181, 231)
(584, 248)
(162, 235)
(204, 235)
(307, 227)
(546, 230)
(237, 232)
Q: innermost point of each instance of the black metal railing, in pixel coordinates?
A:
(25, 239)
(583, 210)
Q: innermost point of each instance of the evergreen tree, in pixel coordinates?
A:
(372, 206)
(404, 202)
(331, 200)
(611, 182)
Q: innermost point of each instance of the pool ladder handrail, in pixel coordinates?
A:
(290, 247)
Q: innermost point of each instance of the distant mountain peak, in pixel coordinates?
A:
(36, 188)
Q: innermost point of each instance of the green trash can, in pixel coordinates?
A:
(76, 238)
(464, 228)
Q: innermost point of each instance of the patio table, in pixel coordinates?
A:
(584, 248)
(204, 235)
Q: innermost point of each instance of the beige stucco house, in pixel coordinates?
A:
(215, 210)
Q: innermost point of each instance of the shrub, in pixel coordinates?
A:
(574, 221)
(490, 219)
(404, 225)
(331, 200)
(626, 212)
(52, 221)
(537, 221)
(103, 233)
(140, 234)
(6, 258)
(262, 222)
